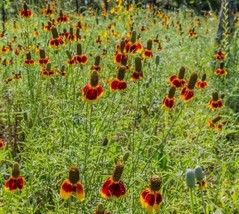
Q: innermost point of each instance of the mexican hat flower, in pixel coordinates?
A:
(56, 41)
(26, 13)
(220, 71)
(213, 123)
(178, 81)
(72, 186)
(138, 73)
(62, 18)
(120, 54)
(118, 83)
(15, 182)
(49, 10)
(133, 46)
(114, 187)
(170, 99)
(215, 102)
(79, 58)
(151, 198)
(202, 83)
(219, 55)
(187, 93)
(43, 59)
(148, 53)
(28, 61)
(93, 91)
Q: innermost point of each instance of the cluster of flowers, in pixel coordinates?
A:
(113, 188)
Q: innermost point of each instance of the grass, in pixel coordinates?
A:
(47, 127)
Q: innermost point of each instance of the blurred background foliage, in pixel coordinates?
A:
(10, 7)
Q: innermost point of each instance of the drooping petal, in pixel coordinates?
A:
(80, 193)
(66, 189)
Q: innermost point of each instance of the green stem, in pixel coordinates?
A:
(192, 200)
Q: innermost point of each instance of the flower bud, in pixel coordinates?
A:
(198, 173)
(190, 178)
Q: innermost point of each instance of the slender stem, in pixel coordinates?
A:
(192, 200)
(203, 205)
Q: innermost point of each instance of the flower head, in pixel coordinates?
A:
(170, 99)
(201, 183)
(220, 55)
(29, 60)
(151, 198)
(114, 186)
(214, 123)
(15, 182)
(79, 58)
(43, 59)
(93, 91)
(72, 186)
(187, 92)
(202, 83)
(138, 73)
(119, 84)
(56, 41)
(25, 12)
(220, 71)
(133, 46)
(215, 102)
(148, 53)
(178, 81)
(62, 18)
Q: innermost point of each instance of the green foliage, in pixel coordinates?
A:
(47, 126)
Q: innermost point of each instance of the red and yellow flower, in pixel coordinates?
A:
(120, 54)
(221, 71)
(26, 13)
(80, 58)
(178, 81)
(49, 10)
(202, 83)
(62, 18)
(43, 59)
(119, 84)
(150, 198)
(215, 102)
(28, 61)
(192, 33)
(138, 73)
(56, 41)
(187, 92)
(93, 91)
(72, 186)
(15, 182)
(170, 99)
(148, 53)
(213, 124)
(114, 187)
(133, 46)
(220, 55)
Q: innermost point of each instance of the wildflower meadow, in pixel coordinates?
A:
(120, 108)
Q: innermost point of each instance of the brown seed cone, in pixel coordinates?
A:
(155, 183)
(171, 92)
(94, 79)
(192, 81)
(15, 170)
(74, 175)
(118, 172)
